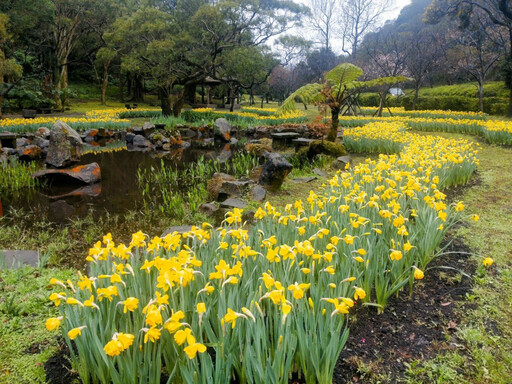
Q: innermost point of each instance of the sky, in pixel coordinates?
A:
(336, 45)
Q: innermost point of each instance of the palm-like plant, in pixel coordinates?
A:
(336, 92)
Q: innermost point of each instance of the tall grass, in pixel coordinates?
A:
(16, 176)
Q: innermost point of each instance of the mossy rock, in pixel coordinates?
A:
(259, 149)
(321, 147)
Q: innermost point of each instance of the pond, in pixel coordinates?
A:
(119, 190)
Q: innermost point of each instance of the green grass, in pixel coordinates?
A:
(24, 307)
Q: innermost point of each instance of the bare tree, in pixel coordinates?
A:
(499, 13)
(425, 50)
(477, 51)
(323, 19)
(359, 17)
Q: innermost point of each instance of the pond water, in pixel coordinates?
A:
(118, 190)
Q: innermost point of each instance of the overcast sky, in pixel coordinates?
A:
(336, 44)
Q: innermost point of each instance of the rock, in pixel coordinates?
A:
(42, 143)
(9, 151)
(141, 142)
(148, 128)
(329, 148)
(341, 162)
(208, 208)
(223, 129)
(60, 211)
(233, 140)
(22, 142)
(91, 133)
(319, 172)
(225, 154)
(258, 193)
(284, 139)
(234, 188)
(30, 152)
(65, 145)
(185, 144)
(85, 174)
(304, 179)
(248, 217)
(261, 132)
(302, 142)
(215, 183)
(129, 137)
(274, 171)
(260, 147)
(233, 203)
(17, 259)
(178, 229)
(43, 132)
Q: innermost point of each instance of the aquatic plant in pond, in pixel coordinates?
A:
(177, 191)
(16, 176)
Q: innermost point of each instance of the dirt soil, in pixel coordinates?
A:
(411, 328)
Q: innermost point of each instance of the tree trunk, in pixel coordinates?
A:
(166, 105)
(382, 100)
(190, 93)
(178, 105)
(1, 102)
(138, 88)
(509, 109)
(481, 95)
(416, 96)
(105, 83)
(335, 122)
(122, 82)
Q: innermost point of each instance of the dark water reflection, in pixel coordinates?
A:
(118, 191)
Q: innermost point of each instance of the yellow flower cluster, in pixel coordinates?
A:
(51, 120)
(113, 113)
(278, 290)
(399, 111)
(276, 116)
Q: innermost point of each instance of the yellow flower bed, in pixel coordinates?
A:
(115, 112)
(257, 304)
(80, 123)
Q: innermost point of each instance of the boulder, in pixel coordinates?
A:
(208, 208)
(65, 145)
(148, 128)
(215, 183)
(82, 174)
(233, 188)
(141, 142)
(22, 142)
(274, 171)
(30, 152)
(129, 137)
(178, 229)
(18, 259)
(233, 203)
(222, 129)
(259, 147)
(319, 172)
(42, 143)
(328, 148)
(258, 193)
(304, 179)
(342, 162)
(43, 132)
